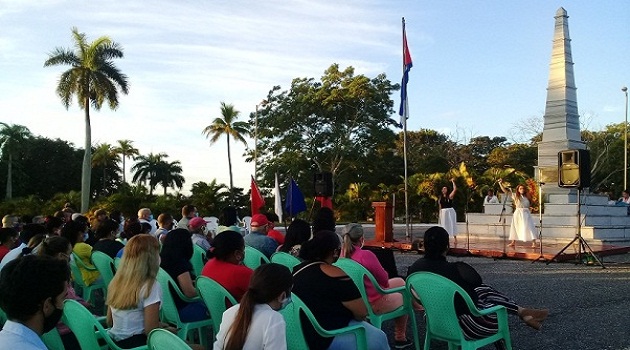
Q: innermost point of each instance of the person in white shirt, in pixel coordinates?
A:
(255, 323)
(490, 198)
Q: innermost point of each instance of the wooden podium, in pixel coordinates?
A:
(384, 230)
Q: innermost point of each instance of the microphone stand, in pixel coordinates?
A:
(540, 223)
(502, 217)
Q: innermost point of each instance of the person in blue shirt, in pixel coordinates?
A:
(32, 291)
(258, 237)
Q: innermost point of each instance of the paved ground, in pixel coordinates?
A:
(588, 305)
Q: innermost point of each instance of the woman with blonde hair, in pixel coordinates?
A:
(381, 303)
(523, 227)
(134, 295)
(255, 323)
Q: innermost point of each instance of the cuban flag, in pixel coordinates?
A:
(407, 64)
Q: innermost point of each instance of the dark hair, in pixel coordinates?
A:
(53, 245)
(115, 215)
(225, 244)
(187, 209)
(72, 229)
(146, 227)
(266, 284)
(52, 223)
(25, 283)
(177, 248)
(31, 230)
(228, 216)
(298, 232)
(105, 228)
(321, 246)
(435, 242)
(324, 220)
(132, 227)
(272, 217)
(6, 234)
(164, 218)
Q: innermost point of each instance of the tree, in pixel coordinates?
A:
(335, 125)
(209, 197)
(228, 126)
(169, 174)
(12, 139)
(93, 79)
(427, 151)
(146, 169)
(126, 150)
(106, 158)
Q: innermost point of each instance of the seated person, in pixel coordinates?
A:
(277, 236)
(197, 226)
(381, 303)
(32, 291)
(331, 296)
(258, 238)
(106, 238)
(625, 200)
(76, 233)
(8, 240)
(255, 323)
(434, 260)
(176, 253)
(298, 232)
(225, 264)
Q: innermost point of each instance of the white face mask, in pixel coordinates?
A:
(285, 302)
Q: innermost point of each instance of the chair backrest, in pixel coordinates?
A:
(52, 340)
(77, 277)
(105, 266)
(285, 259)
(83, 324)
(169, 309)
(247, 221)
(161, 339)
(198, 259)
(3, 318)
(437, 295)
(216, 298)
(254, 258)
(295, 333)
(116, 262)
(359, 275)
(212, 224)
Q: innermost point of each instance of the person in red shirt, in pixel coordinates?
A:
(8, 240)
(225, 266)
(271, 231)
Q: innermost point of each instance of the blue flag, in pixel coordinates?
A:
(295, 200)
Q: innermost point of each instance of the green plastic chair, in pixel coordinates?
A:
(117, 262)
(359, 274)
(295, 334)
(105, 265)
(198, 259)
(3, 318)
(87, 328)
(254, 258)
(52, 340)
(216, 298)
(161, 339)
(76, 264)
(285, 259)
(437, 295)
(170, 314)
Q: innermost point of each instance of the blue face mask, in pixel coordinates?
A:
(151, 217)
(285, 302)
(86, 236)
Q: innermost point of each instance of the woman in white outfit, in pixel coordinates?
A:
(448, 216)
(523, 227)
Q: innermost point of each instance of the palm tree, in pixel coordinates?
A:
(169, 174)
(126, 150)
(12, 138)
(227, 126)
(94, 79)
(105, 156)
(146, 169)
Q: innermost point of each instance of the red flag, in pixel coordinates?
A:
(325, 202)
(257, 199)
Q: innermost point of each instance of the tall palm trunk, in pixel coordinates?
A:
(230, 167)
(123, 157)
(9, 193)
(87, 161)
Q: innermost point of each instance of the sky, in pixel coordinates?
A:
(480, 68)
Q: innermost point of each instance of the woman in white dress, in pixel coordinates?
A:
(523, 227)
(448, 216)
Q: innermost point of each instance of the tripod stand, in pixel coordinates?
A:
(540, 224)
(582, 245)
(502, 218)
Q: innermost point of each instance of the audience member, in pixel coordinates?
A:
(28, 232)
(54, 225)
(255, 323)
(225, 264)
(324, 220)
(134, 295)
(165, 224)
(176, 253)
(106, 234)
(189, 211)
(276, 235)
(32, 291)
(298, 232)
(435, 248)
(197, 226)
(8, 240)
(353, 240)
(76, 233)
(258, 238)
(331, 296)
(145, 216)
(10, 221)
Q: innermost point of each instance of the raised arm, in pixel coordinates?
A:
(503, 188)
(452, 195)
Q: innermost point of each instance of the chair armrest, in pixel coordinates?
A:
(490, 310)
(401, 289)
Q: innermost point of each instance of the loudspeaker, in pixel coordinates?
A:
(323, 184)
(574, 168)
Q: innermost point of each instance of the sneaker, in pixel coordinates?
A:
(402, 344)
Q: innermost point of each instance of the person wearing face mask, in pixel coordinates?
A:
(76, 233)
(199, 231)
(165, 224)
(381, 303)
(189, 211)
(145, 216)
(255, 323)
(226, 263)
(32, 291)
(106, 235)
(331, 296)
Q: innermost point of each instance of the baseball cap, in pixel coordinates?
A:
(196, 223)
(259, 220)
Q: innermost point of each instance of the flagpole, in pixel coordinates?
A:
(404, 122)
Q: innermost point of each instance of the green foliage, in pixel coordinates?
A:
(209, 198)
